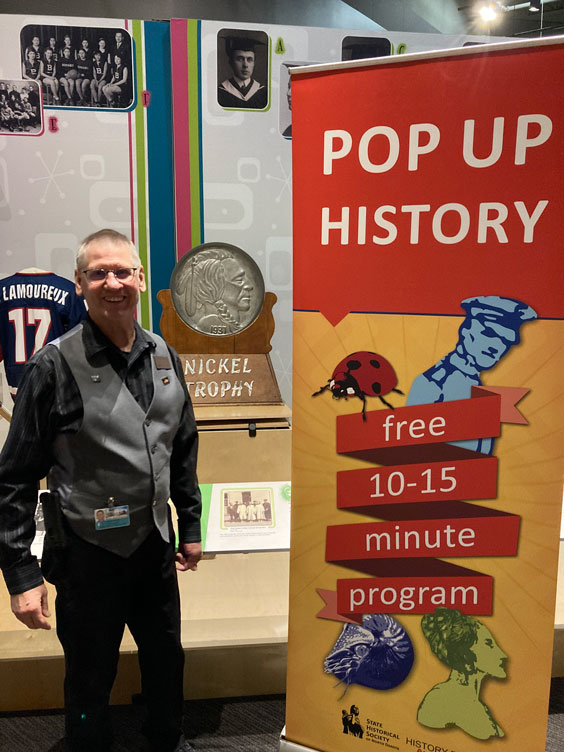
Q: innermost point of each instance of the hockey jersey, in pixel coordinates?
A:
(35, 308)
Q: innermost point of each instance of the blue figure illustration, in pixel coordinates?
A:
(379, 654)
(490, 328)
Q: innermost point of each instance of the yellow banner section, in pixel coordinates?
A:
(472, 678)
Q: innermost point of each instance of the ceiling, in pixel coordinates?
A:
(443, 16)
(514, 19)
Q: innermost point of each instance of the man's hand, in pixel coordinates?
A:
(188, 556)
(32, 608)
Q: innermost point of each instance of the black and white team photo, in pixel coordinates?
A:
(79, 66)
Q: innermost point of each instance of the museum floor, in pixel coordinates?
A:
(248, 724)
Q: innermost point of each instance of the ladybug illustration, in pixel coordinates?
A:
(362, 374)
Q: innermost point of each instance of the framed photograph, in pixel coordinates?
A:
(80, 66)
(243, 73)
(21, 111)
(359, 48)
(253, 516)
(252, 507)
(285, 106)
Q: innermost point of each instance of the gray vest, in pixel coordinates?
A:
(120, 451)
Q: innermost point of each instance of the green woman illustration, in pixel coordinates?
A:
(469, 649)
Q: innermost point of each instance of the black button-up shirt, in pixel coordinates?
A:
(49, 403)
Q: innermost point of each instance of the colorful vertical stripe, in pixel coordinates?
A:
(179, 59)
(151, 140)
(195, 130)
(186, 87)
(158, 120)
(140, 165)
(151, 164)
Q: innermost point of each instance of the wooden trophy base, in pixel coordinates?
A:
(254, 339)
(230, 379)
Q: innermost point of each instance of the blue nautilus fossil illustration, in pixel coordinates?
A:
(378, 654)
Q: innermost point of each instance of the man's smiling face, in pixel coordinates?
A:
(111, 297)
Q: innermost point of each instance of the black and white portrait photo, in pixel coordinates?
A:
(242, 69)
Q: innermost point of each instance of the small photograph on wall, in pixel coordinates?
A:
(360, 48)
(252, 507)
(242, 69)
(79, 66)
(285, 108)
(21, 113)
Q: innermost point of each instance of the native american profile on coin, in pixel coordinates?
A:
(217, 289)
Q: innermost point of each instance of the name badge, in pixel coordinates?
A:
(109, 517)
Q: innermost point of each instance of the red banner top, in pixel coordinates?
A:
(411, 202)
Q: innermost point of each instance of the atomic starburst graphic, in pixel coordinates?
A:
(284, 179)
(51, 177)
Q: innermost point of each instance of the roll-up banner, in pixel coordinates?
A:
(428, 412)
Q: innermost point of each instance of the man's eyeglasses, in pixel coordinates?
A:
(123, 274)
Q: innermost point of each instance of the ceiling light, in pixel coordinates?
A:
(488, 12)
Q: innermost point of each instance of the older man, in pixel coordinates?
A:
(103, 412)
(490, 327)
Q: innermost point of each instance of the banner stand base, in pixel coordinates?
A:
(287, 746)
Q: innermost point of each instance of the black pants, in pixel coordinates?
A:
(98, 593)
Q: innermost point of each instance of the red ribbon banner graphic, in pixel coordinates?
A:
(418, 493)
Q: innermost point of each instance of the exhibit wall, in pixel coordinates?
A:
(91, 164)
(233, 166)
(88, 165)
(428, 439)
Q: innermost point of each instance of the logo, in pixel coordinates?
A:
(351, 722)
